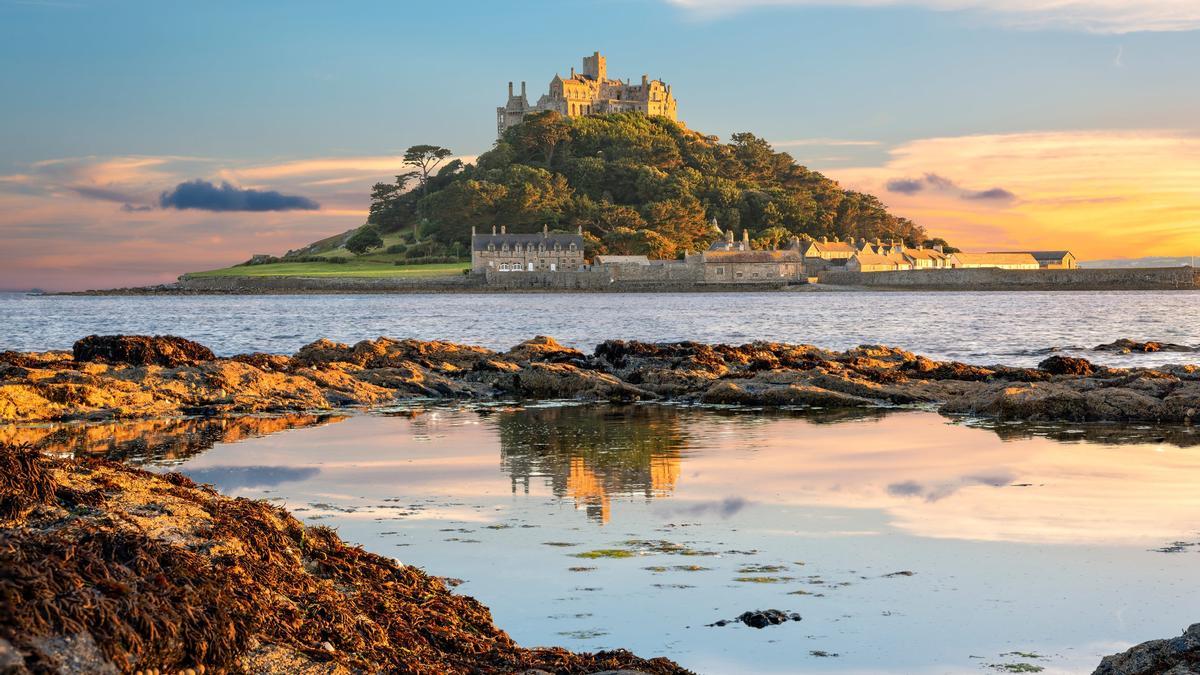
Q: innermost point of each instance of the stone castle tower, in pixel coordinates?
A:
(590, 92)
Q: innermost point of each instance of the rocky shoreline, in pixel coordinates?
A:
(117, 377)
(105, 568)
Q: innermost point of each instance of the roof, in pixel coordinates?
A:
(780, 256)
(925, 253)
(834, 246)
(995, 258)
(623, 259)
(867, 258)
(1043, 255)
(480, 242)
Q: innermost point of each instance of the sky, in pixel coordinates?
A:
(140, 140)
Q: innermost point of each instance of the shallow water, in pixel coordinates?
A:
(1021, 538)
(983, 328)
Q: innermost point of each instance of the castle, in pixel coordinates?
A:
(589, 92)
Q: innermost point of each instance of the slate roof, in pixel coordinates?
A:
(480, 242)
(995, 258)
(781, 256)
(1042, 256)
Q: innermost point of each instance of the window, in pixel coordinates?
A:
(721, 271)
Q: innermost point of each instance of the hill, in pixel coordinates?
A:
(634, 184)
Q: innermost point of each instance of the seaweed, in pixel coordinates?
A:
(167, 575)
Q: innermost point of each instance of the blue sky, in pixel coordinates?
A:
(842, 85)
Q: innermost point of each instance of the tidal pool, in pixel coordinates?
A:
(907, 541)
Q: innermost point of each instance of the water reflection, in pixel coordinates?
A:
(160, 441)
(587, 454)
(1016, 539)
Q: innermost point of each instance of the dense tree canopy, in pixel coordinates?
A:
(635, 184)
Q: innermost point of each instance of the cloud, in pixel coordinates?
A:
(96, 222)
(996, 194)
(906, 186)
(1097, 16)
(932, 181)
(824, 142)
(1100, 193)
(724, 508)
(229, 478)
(205, 196)
(940, 490)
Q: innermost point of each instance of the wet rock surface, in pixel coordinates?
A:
(760, 618)
(140, 376)
(141, 350)
(1127, 346)
(1175, 656)
(105, 568)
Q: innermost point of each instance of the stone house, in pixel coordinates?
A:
(1005, 261)
(866, 261)
(590, 92)
(544, 252)
(1051, 260)
(732, 262)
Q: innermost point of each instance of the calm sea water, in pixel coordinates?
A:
(908, 543)
(985, 328)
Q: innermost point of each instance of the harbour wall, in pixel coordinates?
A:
(993, 279)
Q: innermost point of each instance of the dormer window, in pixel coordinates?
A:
(491, 247)
(572, 247)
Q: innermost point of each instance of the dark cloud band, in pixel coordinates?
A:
(206, 196)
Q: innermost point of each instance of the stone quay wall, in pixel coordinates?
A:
(299, 285)
(994, 279)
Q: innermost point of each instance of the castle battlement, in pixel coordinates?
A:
(590, 92)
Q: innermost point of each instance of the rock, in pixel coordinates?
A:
(175, 577)
(1175, 656)
(1067, 365)
(1127, 346)
(747, 393)
(141, 350)
(560, 380)
(542, 349)
(761, 618)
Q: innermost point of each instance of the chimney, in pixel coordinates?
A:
(522, 89)
(579, 229)
(572, 72)
(824, 239)
(493, 230)
(503, 229)
(746, 235)
(510, 89)
(472, 231)
(729, 236)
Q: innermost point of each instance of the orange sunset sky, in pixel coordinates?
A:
(1080, 121)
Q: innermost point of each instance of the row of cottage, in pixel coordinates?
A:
(861, 255)
(731, 260)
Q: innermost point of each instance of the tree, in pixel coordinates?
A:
(425, 158)
(365, 239)
(773, 237)
(545, 131)
(938, 241)
(390, 206)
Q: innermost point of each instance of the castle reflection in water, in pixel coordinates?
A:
(591, 458)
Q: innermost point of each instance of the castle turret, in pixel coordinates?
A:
(595, 67)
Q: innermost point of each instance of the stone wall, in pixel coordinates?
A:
(252, 285)
(992, 279)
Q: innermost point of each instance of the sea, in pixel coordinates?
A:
(907, 541)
